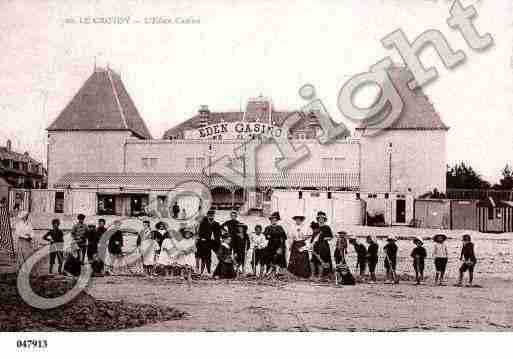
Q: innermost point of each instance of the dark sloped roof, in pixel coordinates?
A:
(3, 183)
(167, 181)
(16, 156)
(257, 109)
(195, 122)
(277, 118)
(102, 103)
(418, 112)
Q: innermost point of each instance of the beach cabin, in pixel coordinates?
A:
(495, 216)
(433, 213)
(464, 214)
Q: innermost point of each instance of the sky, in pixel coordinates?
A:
(234, 50)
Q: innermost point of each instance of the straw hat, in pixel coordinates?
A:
(440, 237)
(302, 218)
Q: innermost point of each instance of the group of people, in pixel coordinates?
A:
(303, 251)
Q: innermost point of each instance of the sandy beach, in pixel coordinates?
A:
(298, 305)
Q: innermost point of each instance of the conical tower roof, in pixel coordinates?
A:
(102, 103)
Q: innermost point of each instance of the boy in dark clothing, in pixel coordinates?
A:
(372, 257)
(92, 242)
(240, 246)
(469, 258)
(361, 255)
(340, 248)
(391, 260)
(56, 238)
(418, 254)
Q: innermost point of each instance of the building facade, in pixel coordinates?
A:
(103, 160)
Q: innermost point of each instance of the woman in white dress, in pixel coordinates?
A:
(185, 257)
(148, 248)
(166, 255)
(24, 235)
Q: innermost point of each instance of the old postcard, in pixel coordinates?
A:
(255, 166)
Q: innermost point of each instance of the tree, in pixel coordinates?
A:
(463, 176)
(506, 182)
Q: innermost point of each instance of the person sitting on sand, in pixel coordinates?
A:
(419, 255)
(469, 260)
(225, 268)
(343, 275)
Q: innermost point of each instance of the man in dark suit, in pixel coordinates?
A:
(232, 225)
(209, 233)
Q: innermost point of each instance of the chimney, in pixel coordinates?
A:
(204, 114)
(312, 119)
(9, 145)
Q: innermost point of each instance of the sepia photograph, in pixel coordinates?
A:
(255, 168)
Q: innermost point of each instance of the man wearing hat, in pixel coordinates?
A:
(79, 235)
(276, 247)
(209, 233)
(419, 255)
(232, 224)
(441, 256)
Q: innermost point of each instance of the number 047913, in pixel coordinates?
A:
(31, 344)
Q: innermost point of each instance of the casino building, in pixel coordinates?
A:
(103, 160)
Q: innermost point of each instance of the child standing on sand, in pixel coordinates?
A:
(469, 260)
(390, 250)
(441, 256)
(419, 255)
(258, 246)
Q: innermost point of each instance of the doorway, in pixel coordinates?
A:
(400, 211)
